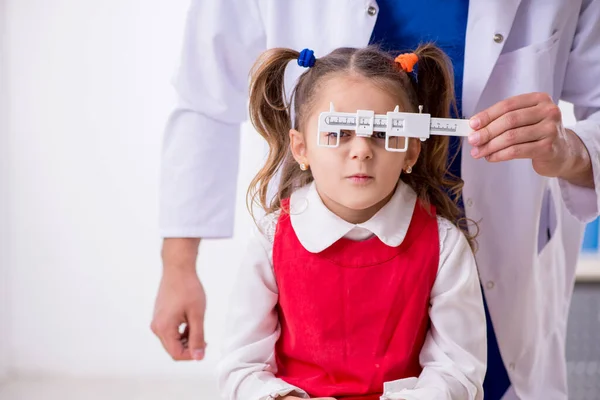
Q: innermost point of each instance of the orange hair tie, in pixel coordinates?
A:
(407, 61)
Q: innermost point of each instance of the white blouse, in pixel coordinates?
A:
(453, 357)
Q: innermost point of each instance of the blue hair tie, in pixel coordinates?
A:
(307, 58)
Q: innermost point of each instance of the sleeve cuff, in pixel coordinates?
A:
(284, 392)
(267, 387)
(198, 177)
(399, 389)
(580, 201)
(409, 389)
(584, 203)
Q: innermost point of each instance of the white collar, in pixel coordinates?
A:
(317, 228)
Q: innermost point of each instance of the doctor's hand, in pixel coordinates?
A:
(180, 300)
(530, 126)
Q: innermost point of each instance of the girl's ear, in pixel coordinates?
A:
(298, 147)
(413, 151)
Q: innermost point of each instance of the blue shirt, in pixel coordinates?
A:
(401, 27)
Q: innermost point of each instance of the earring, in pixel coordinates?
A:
(408, 169)
(303, 167)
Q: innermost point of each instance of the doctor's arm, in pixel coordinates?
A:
(454, 355)
(582, 88)
(246, 370)
(200, 154)
(530, 125)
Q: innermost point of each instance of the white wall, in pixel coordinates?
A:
(89, 96)
(4, 237)
(89, 99)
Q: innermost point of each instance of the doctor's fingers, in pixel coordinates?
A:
(512, 120)
(504, 107)
(512, 137)
(540, 150)
(506, 123)
(172, 340)
(194, 332)
(176, 346)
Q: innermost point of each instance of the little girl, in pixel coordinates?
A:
(357, 284)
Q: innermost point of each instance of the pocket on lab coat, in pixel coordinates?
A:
(525, 70)
(547, 224)
(531, 49)
(549, 275)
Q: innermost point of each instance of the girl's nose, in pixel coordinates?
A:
(361, 148)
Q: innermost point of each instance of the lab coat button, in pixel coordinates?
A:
(498, 38)
(371, 11)
(469, 202)
(511, 366)
(490, 284)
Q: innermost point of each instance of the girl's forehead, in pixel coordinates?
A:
(350, 95)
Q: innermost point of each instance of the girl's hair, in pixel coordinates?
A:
(271, 114)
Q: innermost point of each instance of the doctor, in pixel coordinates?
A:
(530, 182)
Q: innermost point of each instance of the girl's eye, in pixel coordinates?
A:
(379, 135)
(343, 133)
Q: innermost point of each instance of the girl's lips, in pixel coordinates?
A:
(360, 178)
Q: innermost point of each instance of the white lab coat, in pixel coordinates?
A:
(531, 226)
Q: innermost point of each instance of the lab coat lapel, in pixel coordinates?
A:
(486, 19)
